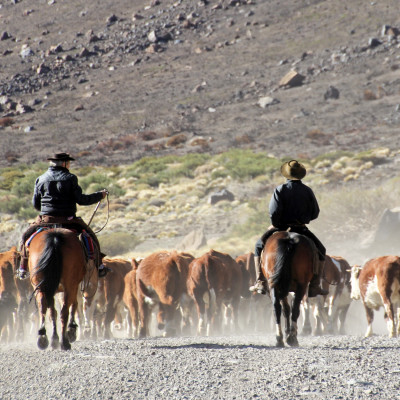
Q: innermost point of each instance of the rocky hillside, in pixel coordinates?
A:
(115, 81)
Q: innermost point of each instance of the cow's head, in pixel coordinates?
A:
(355, 284)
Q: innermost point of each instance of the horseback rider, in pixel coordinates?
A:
(56, 195)
(292, 206)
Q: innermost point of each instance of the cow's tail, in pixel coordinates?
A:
(148, 296)
(282, 274)
(50, 265)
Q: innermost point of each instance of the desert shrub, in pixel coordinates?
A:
(13, 204)
(335, 155)
(25, 185)
(8, 177)
(242, 164)
(6, 121)
(156, 170)
(117, 243)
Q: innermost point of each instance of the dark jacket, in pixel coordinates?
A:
(293, 203)
(57, 193)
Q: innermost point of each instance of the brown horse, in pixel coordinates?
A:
(287, 263)
(56, 263)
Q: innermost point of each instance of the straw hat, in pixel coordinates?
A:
(293, 170)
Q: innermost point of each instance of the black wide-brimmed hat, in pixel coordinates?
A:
(61, 157)
(293, 170)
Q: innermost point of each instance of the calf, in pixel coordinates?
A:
(161, 280)
(378, 284)
(130, 300)
(216, 278)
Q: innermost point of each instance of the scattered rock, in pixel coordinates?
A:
(292, 78)
(331, 93)
(374, 42)
(264, 102)
(223, 194)
(192, 241)
(5, 35)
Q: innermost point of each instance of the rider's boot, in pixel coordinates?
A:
(22, 271)
(260, 285)
(314, 289)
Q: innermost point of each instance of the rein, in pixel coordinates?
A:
(108, 214)
(330, 283)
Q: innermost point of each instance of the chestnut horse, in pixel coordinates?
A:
(287, 262)
(56, 263)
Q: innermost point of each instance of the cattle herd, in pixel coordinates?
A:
(172, 293)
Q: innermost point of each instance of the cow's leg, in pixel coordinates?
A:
(109, 317)
(132, 317)
(306, 317)
(277, 314)
(390, 317)
(143, 316)
(342, 318)
(370, 319)
(201, 311)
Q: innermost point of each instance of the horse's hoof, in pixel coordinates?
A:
(65, 345)
(279, 342)
(55, 342)
(43, 342)
(71, 333)
(292, 341)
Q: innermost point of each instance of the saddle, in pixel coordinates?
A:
(89, 244)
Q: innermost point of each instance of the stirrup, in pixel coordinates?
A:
(22, 273)
(259, 287)
(103, 270)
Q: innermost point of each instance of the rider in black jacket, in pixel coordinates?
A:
(293, 205)
(55, 196)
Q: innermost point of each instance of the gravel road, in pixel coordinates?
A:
(236, 367)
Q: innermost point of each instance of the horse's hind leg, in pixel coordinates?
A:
(55, 340)
(43, 341)
(277, 313)
(64, 315)
(292, 337)
(286, 314)
(72, 325)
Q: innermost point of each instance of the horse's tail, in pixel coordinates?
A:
(282, 275)
(50, 265)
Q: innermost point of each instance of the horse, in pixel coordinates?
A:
(287, 262)
(56, 262)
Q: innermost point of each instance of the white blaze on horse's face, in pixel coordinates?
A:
(355, 284)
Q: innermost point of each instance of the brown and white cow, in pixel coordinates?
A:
(161, 281)
(215, 278)
(330, 311)
(377, 283)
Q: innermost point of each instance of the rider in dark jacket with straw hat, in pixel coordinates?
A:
(293, 205)
(55, 196)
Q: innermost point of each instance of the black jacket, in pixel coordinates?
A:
(57, 193)
(293, 203)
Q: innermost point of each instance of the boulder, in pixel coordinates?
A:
(223, 194)
(292, 78)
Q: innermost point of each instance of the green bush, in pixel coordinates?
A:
(13, 204)
(245, 164)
